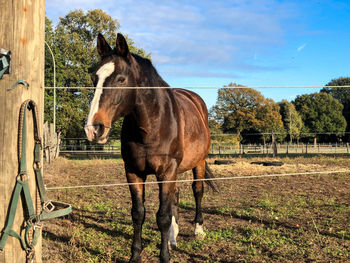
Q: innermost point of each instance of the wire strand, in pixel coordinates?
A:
(195, 180)
(263, 87)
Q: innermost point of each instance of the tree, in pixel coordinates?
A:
(246, 109)
(341, 94)
(321, 113)
(292, 121)
(270, 120)
(74, 47)
(235, 109)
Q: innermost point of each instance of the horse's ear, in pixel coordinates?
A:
(103, 48)
(121, 46)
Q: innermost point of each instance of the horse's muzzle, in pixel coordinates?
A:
(97, 133)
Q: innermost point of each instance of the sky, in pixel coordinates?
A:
(257, 43)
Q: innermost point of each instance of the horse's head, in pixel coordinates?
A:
(116, 69)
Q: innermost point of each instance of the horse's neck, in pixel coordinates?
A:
(150, 107)
(150, 104)
(147, 74)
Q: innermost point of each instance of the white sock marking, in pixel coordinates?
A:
(199, 231)
(104, 72)
(173, 232)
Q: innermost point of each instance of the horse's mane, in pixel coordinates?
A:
(150, 76)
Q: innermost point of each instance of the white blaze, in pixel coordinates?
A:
(104, 72)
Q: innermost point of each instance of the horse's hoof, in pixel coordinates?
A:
(200, 236)
(172, 246)
(199, 231)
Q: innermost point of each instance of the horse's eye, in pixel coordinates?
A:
(121, 79)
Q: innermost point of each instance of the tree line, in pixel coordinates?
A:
(241, 111)
(246, 113)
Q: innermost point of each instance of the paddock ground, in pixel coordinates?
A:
(302, 218)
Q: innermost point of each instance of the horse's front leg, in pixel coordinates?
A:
(174, 228)
(164, 214)
(137, 212)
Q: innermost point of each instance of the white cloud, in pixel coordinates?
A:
(217, 33)
(300, 48)
(197, 34)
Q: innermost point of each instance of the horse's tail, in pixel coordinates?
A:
(209, 175)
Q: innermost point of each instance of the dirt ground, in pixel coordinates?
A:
(296, 218)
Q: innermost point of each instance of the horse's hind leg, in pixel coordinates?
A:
(198, 190)
(138, 214)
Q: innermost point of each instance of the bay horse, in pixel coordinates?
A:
(165, 132)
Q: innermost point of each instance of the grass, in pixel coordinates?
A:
(289, 219)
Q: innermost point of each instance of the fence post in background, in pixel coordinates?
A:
(219, 151)
(51, 142)
(347, 147)
(287, 149)
(306, 148)
(274, 145)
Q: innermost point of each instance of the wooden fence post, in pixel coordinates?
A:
(22, 31)
(274, 144)
(51, 142)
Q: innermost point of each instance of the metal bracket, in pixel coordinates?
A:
(5, 62)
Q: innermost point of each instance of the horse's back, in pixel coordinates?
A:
(196, 136)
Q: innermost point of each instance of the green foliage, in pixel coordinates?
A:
(246, 109)
(341, 94)
(291, 119)
(270, 120)
(321, 113)
(73, 44)
(236, 109)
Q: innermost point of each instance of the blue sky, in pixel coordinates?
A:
(250, 42)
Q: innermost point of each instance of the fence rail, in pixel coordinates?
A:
(223, 149)
(218, 149)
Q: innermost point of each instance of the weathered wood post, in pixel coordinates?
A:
(274, 145)
(22, 31)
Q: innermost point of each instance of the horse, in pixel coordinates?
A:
(165, 132)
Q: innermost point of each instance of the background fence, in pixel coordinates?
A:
(80, 146)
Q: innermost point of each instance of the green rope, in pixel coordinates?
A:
(49, 208)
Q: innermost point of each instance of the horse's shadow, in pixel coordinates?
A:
(265, 222)
(253, 219)
(95, 221)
